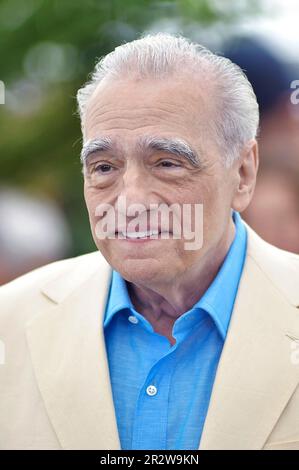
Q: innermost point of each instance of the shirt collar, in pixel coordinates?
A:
(118, 299)
(217, 301)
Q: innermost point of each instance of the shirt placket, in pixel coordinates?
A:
(151, 413)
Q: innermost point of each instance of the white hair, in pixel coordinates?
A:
(162, 55)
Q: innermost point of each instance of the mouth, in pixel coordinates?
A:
(142, 235)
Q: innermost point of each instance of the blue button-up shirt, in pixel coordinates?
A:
(161, 392)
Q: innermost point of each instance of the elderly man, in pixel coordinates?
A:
(153, 342)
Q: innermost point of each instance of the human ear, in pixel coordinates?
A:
(247, 167)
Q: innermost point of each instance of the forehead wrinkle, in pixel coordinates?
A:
(108, 111)
(132, 117)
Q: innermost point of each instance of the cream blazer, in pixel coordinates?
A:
(55, 390)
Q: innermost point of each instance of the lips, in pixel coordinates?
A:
(141, 234)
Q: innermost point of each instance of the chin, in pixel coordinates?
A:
(141, 270)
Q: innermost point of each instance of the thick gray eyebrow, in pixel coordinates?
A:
(175, 146)
(95, 145)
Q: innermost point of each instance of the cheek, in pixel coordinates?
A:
(215, 200)
(91, 211)
(205, 194)
(87, 196)
(92, 200)
(216, 194)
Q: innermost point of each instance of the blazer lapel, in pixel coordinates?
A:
(69, 356)
(255, 377)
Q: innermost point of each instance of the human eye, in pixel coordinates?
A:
(168, 164)
(103, 168)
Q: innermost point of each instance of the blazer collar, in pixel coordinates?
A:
(255, 377)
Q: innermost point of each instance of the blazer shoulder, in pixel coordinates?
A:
(46, 272)
(27, 291)
(280, 266)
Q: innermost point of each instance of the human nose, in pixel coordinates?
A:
(136, 186)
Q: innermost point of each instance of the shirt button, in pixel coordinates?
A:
(133, 319)
(151, 390)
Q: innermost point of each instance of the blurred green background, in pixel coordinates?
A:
(47, 50)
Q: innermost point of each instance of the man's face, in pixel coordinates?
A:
(126, 112)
